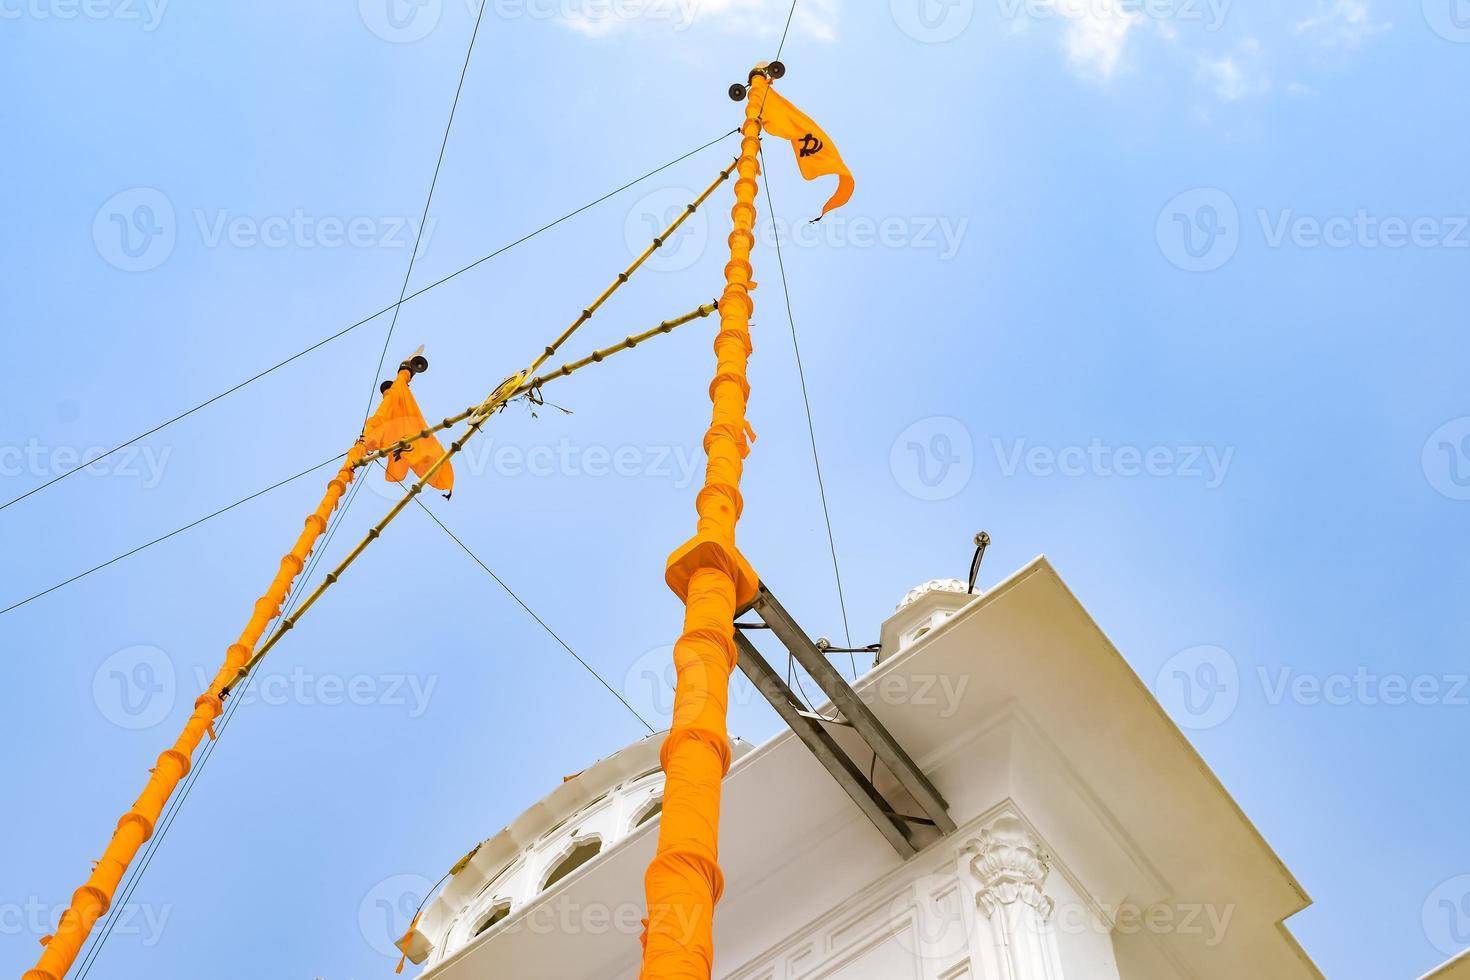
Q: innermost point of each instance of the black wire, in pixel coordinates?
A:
(166, 822)
(420, 292)
(368, 319)
(805, 699)
(519, 601)
(791, 671)
(810, 427)
(552, 224)
(782, 45)
(418, 236)
(196, 769)
(982, 541)
(228, 714)
(430, 894)
(180, 530)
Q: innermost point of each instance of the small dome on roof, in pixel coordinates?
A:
(585, 815)
(933, 585)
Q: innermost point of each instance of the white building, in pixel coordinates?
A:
(1093, 843)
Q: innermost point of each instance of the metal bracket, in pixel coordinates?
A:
(855, 714)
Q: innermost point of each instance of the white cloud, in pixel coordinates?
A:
(1096, 33)
(1099, 38)
(1342, 23)
(756, 18)
(1239, 74)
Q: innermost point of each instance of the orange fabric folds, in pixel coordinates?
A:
(683, 882)
(816, 154)
(91, 901)
(398, 418)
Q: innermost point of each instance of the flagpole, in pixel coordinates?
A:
(683, 882)
(92, 901)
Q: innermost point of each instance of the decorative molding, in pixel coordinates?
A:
(934, 585)
(1013, 719)
(1009, 865)
(927, 907)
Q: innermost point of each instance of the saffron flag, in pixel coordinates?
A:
(816, 155)
(398, 418)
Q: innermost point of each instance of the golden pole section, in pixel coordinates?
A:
(510, 388)
(534, 383)
(516, 384)
(92, 900)
(654, 246)
(684, 881)
(628, 344)
(501, 395)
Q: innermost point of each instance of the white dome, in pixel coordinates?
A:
(933, 585)
(576, 823)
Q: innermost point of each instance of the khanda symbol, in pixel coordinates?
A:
(809, 145)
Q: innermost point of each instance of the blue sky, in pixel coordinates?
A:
(1170, 291)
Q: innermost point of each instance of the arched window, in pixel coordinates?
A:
(499, 877)
(650, 811)
(500, 911)
(574, 859)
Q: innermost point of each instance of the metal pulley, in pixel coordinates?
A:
(772, 70)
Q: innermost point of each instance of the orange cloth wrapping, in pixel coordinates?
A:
(684, 881)
(816, 154)
(91, 901)
(398, 418)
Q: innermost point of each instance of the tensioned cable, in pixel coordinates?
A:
(782, 46)
(368, 319)
(419, 235)
(234, 702)
(179, 530)
(519, 601)
(810, 427)
(167, 821)
(289, 620)
(196, 769)
(534, 385)
(510, 388)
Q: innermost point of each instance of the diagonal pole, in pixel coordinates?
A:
(91, 901)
